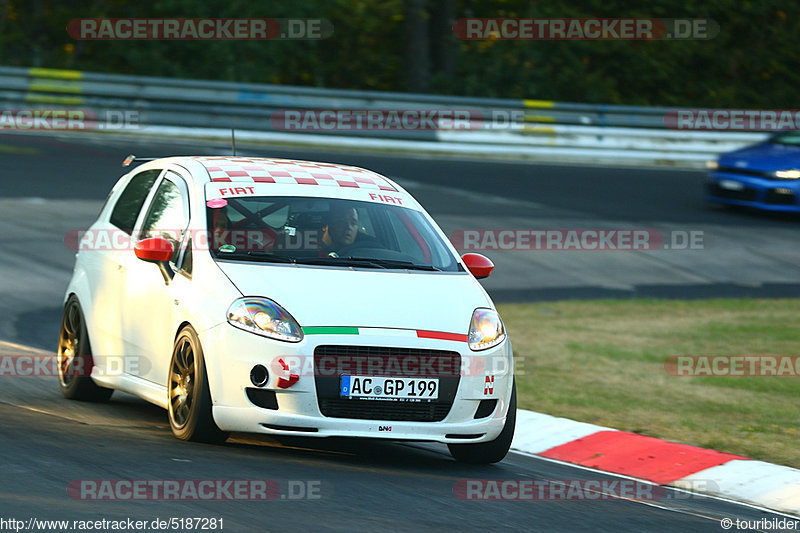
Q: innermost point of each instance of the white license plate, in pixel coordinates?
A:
(383, 388)
(731, 185)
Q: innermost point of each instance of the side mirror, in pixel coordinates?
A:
(478, 264)
(156, 250)
(153, 250)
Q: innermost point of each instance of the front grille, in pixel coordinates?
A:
(745, 172)
(747, 194)
(776, 198)
(333, 361)
(385, 410)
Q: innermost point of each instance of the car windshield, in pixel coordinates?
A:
(326, 231)
(790, 137)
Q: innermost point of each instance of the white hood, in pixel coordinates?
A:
(320, 296)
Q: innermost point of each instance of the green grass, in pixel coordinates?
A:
(603, 362)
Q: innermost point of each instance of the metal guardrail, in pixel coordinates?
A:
(250, 106)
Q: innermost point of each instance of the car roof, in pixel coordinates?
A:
(282, 171)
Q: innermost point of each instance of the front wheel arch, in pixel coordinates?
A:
(189, 405)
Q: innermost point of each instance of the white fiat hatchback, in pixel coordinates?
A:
(286, 297)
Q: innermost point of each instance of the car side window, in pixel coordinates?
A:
(407, 242)
(412, 243)
(186, 263)
(130, 202)
(167, 217)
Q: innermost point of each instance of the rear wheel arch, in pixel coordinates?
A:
(81, 292)
(74, 356)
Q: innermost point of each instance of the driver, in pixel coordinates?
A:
(341, 230)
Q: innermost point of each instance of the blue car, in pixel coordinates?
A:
(764, 176)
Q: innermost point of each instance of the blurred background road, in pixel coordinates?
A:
(54, 184)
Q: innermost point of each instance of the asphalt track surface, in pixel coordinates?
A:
(51, 184)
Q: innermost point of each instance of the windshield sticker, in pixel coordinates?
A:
(385, 198)
(228, 248)
(230, 191)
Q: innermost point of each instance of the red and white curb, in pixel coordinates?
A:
(666, 463)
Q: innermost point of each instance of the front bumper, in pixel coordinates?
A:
(230, 355)
(753, 191)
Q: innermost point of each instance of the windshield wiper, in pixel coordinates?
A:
(393, 263)
(269, 257)
(340, 261)
(407, 265)
(255, 255)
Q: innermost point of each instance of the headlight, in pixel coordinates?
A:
(485, 330)
(712, 164)
(264, 317)
(792, 174)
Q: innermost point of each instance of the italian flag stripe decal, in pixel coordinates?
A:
(330, 330)
(351, 330)
(422, 334)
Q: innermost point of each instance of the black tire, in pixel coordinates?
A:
(75, 361)
(494, 451)
(189, 395)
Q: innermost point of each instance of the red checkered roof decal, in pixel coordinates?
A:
(292, 172)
